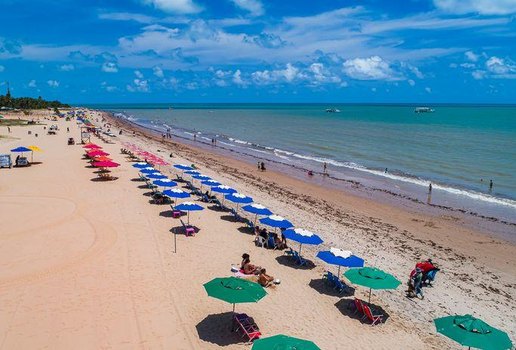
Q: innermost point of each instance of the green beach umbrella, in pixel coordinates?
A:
(373, 278)
(234, 290)
(283, 342)
(472, 332)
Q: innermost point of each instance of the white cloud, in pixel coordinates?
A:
(429, 90)
(109, 67)
(483, 7)
(471, 56)
(237, 78)
(158, 72)
(371, 68)
(411, 82)
(467, 65)
(67, 67)
(32, 83)
(126, 16)
(254, 7)
(174, 6)
(500, 67)
(322, 75)
(289, 74)
(2, 68)
(53, 83)
(478, 74)
(138, 74)
(139, 85)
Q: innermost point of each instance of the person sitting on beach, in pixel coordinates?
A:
(265, 280)
(280, 242)
(264, 234)
(246, 267)
(262, 166)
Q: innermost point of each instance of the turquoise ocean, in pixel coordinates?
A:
(457, 148)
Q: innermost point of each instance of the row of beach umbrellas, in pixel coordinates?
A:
(466, 330)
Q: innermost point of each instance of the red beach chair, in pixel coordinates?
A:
(375, 319)
(246, 326)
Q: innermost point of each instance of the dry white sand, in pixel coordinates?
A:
(88, 265)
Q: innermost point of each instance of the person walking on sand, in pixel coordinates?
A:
(262, 166)
(258, 165)
(418, 283)
(325, 169)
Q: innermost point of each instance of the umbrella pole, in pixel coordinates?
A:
(369, 302)
(255, 219)
(32, 157)
(188, 216)
(300, 246)
(338, 272)
(175, 242)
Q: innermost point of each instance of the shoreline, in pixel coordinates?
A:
(489, 225)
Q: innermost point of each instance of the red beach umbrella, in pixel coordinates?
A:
(91, 146)
(106, 164)
(101, 159)
(96, 153)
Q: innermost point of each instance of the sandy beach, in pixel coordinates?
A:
(93, 265)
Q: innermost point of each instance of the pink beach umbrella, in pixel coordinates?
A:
(91, 146)
(97, 153)
(106, 164)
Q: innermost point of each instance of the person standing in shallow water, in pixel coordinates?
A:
(429, 188)
(490, 185)
(325, 169)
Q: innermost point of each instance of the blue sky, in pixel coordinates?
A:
(173, 51)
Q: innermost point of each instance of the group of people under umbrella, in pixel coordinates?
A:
(20, 157)
(467, 330)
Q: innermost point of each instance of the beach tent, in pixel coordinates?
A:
(372, 278)
(283, 342)
(339, 257)
(472, 332)
(235, 290)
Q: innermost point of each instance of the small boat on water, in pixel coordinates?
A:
(332, 110)
(423, 110)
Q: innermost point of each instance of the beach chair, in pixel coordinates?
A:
(339, 286)
(250, 225)
(176, 213)
(329, 278)
(235, 214)
(246, 326)
(260, 241)
(374, 318)
(189, 230)
(359, 307)
(299, 260)
(179, 178)
(271, 243)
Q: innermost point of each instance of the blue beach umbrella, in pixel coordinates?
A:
(238, 198)
(192, 172)
(210, 183)
(188, 207)
(164, 183)
(276, 221)
(256, 209)
(176, 193)
(223, 189)
(21, 149)
(182, 167)
(302, 236)
(340, 258)
(148, 170)
(201, 177)
(141, 165)
(156, 176)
